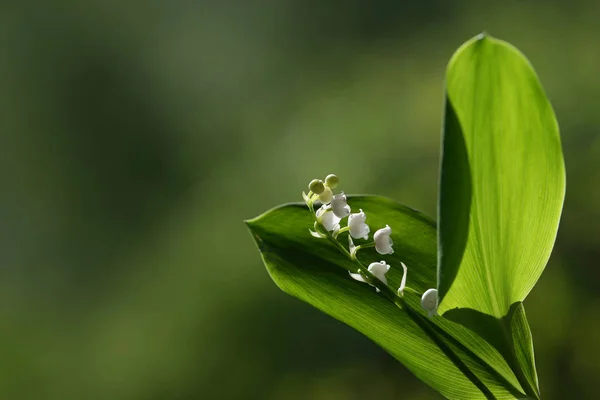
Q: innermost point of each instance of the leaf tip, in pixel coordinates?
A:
(257, 238)
(482, 36)
(251, 223)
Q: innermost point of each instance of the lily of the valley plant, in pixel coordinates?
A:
(332, 211)
(457, 321)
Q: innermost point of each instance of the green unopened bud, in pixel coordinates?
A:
(316, 186)
(326, 196)
(331, 181)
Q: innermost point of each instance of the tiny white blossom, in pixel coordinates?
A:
(429, 301)
(358, 228)
(339, 205)
(377, 269)
(383, 241)
(403, 283)
(328, 219)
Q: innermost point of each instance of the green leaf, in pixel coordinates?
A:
(502, 180)
(523, 346)
(509, 335)
(501, 195)
(315, 271)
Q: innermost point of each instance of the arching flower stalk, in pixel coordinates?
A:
(329, 217)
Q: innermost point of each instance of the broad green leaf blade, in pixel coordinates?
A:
(316, 272)
(502, 180)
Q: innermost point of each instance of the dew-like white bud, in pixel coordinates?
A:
(358, 228)
(383, 241)
(331, 181)
(429, 301)
(316, 186)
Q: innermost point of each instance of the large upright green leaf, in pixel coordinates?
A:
(315, 271)
(502, 180)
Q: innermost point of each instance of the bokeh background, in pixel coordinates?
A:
(136, 136)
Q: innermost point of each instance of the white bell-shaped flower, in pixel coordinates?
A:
(377, 269)
(339, 206)
(383, 241)
(327, 218)
(429, 301)
(358, 228)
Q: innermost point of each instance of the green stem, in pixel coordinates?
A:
(311, 207)
(365, 246)
(344, 229)
(413, 291)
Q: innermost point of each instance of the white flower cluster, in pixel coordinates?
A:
(334, 208)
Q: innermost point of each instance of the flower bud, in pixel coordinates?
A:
(316, 186)
(331, 181)
(326, 196)
(429, 301)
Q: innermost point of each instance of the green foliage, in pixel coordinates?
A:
(314, 271)
(502, 188)
(502, 180)
(501, 196)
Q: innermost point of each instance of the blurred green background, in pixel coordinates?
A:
(136, 136)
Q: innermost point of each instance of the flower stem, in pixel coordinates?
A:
(341, 230)
(357, 248)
